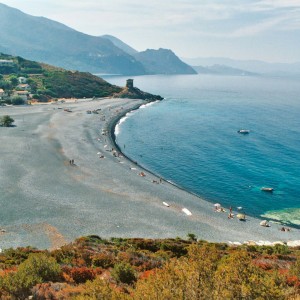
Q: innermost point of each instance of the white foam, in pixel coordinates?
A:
(148, 104)
(122, 120)
(117, 129)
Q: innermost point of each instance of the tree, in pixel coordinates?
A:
(17, 101)
(192, 237)
(6, 121)
(14, 80)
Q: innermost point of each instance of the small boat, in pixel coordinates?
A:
(166, 204)
(267, 189)
(244, 131)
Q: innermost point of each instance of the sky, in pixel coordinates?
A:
(266, 30)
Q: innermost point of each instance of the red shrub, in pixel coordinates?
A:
(82, 274)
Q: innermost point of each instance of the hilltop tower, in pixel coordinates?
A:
(129, 83)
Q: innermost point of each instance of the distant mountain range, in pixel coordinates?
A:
(44, 40)
(252, 66)
(223, 70)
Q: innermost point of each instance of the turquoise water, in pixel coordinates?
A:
(191, 139)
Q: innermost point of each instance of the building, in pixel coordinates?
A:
(6, 63)
(129, 83)
(23, 87)
(22, 94)
(22, 80)
(2, 94)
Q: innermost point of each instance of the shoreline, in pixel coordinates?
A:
(105, 196)
(111, 129)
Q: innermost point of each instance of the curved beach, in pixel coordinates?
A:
(47, 201)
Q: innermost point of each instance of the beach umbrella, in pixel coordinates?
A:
(264, 223)
(241, 216)
(217, 205)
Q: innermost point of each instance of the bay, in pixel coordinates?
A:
(190, 138)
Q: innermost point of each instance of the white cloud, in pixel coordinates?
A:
(257, 28)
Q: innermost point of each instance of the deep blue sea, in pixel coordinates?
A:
(191, 139)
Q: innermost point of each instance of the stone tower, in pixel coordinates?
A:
(129, 83)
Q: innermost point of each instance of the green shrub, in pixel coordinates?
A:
(123, 272)
(38, 268)
(17, 101)
(6, 121)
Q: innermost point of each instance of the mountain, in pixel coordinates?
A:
(255, 66)
(163, 61)
(222, 70)
(44, 40)
(120, 44)
(41, 39)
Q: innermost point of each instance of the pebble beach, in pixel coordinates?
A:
(62, 177)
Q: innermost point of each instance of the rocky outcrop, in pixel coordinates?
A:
(132, 92)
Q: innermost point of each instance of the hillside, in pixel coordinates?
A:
(44, 40)
(140, 269)
(120, 44)
(34, 81)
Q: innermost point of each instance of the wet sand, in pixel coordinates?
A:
(46, 201)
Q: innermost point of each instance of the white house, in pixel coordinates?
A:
(22, 80)
(2, 94)
(23, 87)
(6, 63)
(22, 94)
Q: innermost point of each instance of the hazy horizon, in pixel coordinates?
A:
(266, 30)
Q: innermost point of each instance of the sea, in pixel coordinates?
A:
(191, 139)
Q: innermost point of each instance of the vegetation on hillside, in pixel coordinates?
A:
(42, 82)
(95, 268)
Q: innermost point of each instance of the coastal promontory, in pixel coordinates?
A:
(25, 81)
